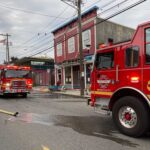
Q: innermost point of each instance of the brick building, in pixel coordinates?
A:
(66, 45)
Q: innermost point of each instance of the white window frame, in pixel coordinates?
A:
(84, 38)
(59, 49)
(71, 45)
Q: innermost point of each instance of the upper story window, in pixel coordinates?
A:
(132, 56)
(59, 49)
(105, 60)
(147, 46)
(86, 38)
(71, 45)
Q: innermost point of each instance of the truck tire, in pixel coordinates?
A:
(131, 116)
(24, 95)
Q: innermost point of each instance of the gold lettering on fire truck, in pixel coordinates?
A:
(148, 85)
(104, 81)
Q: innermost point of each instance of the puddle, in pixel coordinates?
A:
(93, 126)
(33, 118)
(88, 125)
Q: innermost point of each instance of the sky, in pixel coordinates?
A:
(30, 22)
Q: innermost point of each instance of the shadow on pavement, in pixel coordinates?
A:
(87, 125)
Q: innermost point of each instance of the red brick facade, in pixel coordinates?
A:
(71, 30)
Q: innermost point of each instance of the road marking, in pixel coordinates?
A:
(45, 148)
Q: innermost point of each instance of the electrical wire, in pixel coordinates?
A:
(36, 48)
(27, 11)
(48, 34)
(62, 12)
(111, 16)
(90, 6)
(114, 6)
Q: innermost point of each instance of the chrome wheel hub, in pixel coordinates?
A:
(127, 117)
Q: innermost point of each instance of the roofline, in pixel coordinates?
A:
(27, 59)
(75, 18)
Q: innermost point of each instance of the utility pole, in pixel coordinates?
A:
(80, 49)
(78, 8)
(7, 47)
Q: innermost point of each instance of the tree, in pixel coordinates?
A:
(13, 59)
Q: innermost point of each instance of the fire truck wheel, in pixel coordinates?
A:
(131, 116)
(24, 95)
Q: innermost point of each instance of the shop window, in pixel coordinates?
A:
(132, 56)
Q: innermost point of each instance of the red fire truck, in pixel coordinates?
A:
(120, 82)
(15, 80)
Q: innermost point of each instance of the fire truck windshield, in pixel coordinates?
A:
(17, 74)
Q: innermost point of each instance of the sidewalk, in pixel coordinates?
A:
(45, 89)
(72, 92)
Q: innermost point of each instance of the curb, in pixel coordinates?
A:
(66, 94)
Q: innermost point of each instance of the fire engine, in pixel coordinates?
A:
(120, 82)
(15, 80)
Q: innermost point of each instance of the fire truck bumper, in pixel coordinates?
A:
(14, 91)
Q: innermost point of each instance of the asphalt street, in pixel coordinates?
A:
(56, 122)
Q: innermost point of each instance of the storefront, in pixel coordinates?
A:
(69, 73)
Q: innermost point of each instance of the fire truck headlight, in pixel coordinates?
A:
(7, 84)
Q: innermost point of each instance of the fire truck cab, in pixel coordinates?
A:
(15, 80)
(120, 83)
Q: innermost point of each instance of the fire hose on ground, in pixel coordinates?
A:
(15, 114)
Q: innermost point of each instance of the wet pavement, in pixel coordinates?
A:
(88, 125)
(61, 122)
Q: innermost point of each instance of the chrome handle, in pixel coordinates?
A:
(117, 71)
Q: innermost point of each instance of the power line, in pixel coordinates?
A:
(7, 46)
(48, 33)
(28, 11)
(113, 15)
(41, 51)
(36, 48)
(117, 5)
(62, 12)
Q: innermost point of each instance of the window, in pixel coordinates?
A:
(18, 74)
(71, 45)
(132, 56)
(59, 49)
(105, 60)
(147, 46)
(86, 37)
